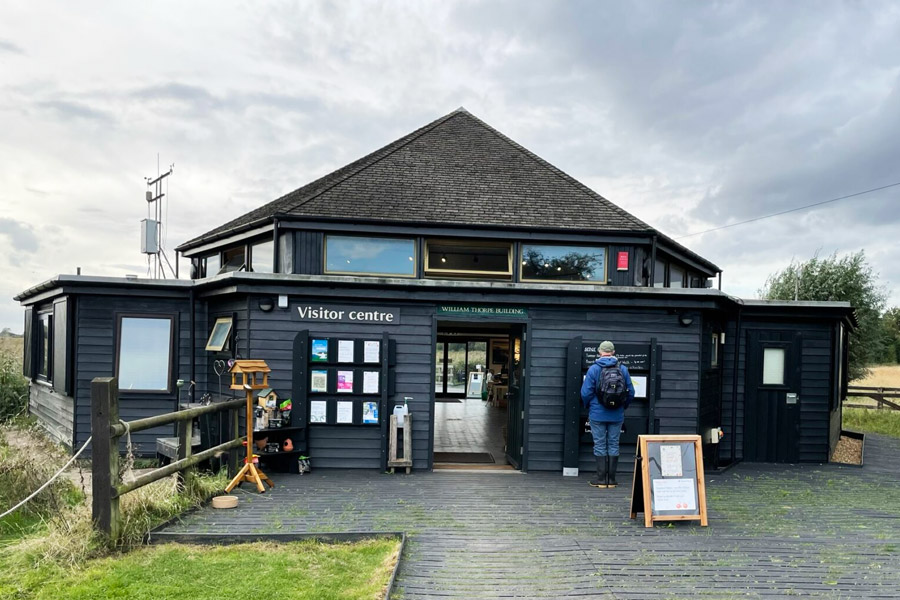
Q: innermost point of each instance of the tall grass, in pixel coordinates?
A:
(13, 386)
(866, 420)
(59, 533)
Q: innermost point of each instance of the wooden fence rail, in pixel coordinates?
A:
(879, 394)
(107, 430)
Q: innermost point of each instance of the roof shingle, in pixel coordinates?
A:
(455, 170)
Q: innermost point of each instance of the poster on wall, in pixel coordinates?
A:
(370, 382)
(371, 351)
(345, 382)
(318, 409)
(640, 385)
(370, 413)
(345, 412)
(345, 351)
(319, 351)
(318, 380)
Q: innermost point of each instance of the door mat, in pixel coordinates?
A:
(463, 457)
(448, 400)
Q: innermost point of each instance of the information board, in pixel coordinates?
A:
(634, 356)
(668, 482)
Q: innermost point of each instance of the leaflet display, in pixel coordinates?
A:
(347, 381)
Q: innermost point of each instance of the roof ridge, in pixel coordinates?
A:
(386, 150)
(556, 170)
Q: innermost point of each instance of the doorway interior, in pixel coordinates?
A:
(478, 383)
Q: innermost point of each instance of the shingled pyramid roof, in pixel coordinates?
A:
(455, 170)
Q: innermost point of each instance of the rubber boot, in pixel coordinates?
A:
(613, 465)
(600, 482)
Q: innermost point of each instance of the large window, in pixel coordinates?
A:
(676, 276)
(234, 259)
(659, 274)
(370, 256)
(586, 264)
(45, 345)
(262, 257)
(211, 265)
(144, 357)
(469, 258)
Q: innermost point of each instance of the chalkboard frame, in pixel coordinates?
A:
(642, 483)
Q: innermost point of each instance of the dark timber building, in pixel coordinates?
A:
(457, 251)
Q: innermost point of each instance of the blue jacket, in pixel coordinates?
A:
(596, 410)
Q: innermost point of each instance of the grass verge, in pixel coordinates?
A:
(295, 570)
(866, 420)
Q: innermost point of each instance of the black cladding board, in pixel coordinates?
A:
(634, 356)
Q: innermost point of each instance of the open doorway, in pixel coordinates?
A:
(479, 378)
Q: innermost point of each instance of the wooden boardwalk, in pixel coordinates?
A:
(775, 531)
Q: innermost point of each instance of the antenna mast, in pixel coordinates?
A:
(151, 228)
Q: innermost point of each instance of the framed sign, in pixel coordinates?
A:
(668, 482)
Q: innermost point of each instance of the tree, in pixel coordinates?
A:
(848, 278)
(890, 322)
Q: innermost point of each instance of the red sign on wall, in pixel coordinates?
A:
(622, 261)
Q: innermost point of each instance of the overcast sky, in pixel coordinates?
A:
(689, 115)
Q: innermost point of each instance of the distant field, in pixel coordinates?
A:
(11, 346)
(885, 376)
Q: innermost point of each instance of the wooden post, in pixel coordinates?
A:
(105, 456)
(234, 455)
(185, 439)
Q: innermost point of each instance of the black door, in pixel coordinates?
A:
(772, 396)
(515, 418)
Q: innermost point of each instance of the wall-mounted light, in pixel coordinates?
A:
(685, 320)
(266, 304)
(443, 258)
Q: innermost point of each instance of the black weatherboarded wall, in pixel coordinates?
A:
(271, 339)
(96, 354)
(552, 329)
(815, 385)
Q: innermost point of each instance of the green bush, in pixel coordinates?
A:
(13, 387)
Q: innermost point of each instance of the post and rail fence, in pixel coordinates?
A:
(107, 429)
(884, 397)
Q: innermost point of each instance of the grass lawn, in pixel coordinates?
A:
(296, 570)
(868, 420)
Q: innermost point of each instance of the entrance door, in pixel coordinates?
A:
(515, 418)
(772, 396)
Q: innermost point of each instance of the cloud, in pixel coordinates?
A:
(690, 116)
(21, 235)
(7, 46)
(66, 109)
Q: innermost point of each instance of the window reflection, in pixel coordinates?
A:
(470, 257)
(564, 263)
(262, 257)
(370, 256)
(144, 359)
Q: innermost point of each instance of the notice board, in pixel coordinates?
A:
(668, 482)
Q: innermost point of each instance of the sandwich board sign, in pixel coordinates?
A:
(668, 482)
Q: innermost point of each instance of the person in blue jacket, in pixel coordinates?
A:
(606, 423)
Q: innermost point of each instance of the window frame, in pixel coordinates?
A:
(785, 347)
(173, 335)
(415, 255)
(521, 258)
(249, 255)
(226, 340)
(204, 271)
(715, 351)
(41, 354)
(508, 274)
